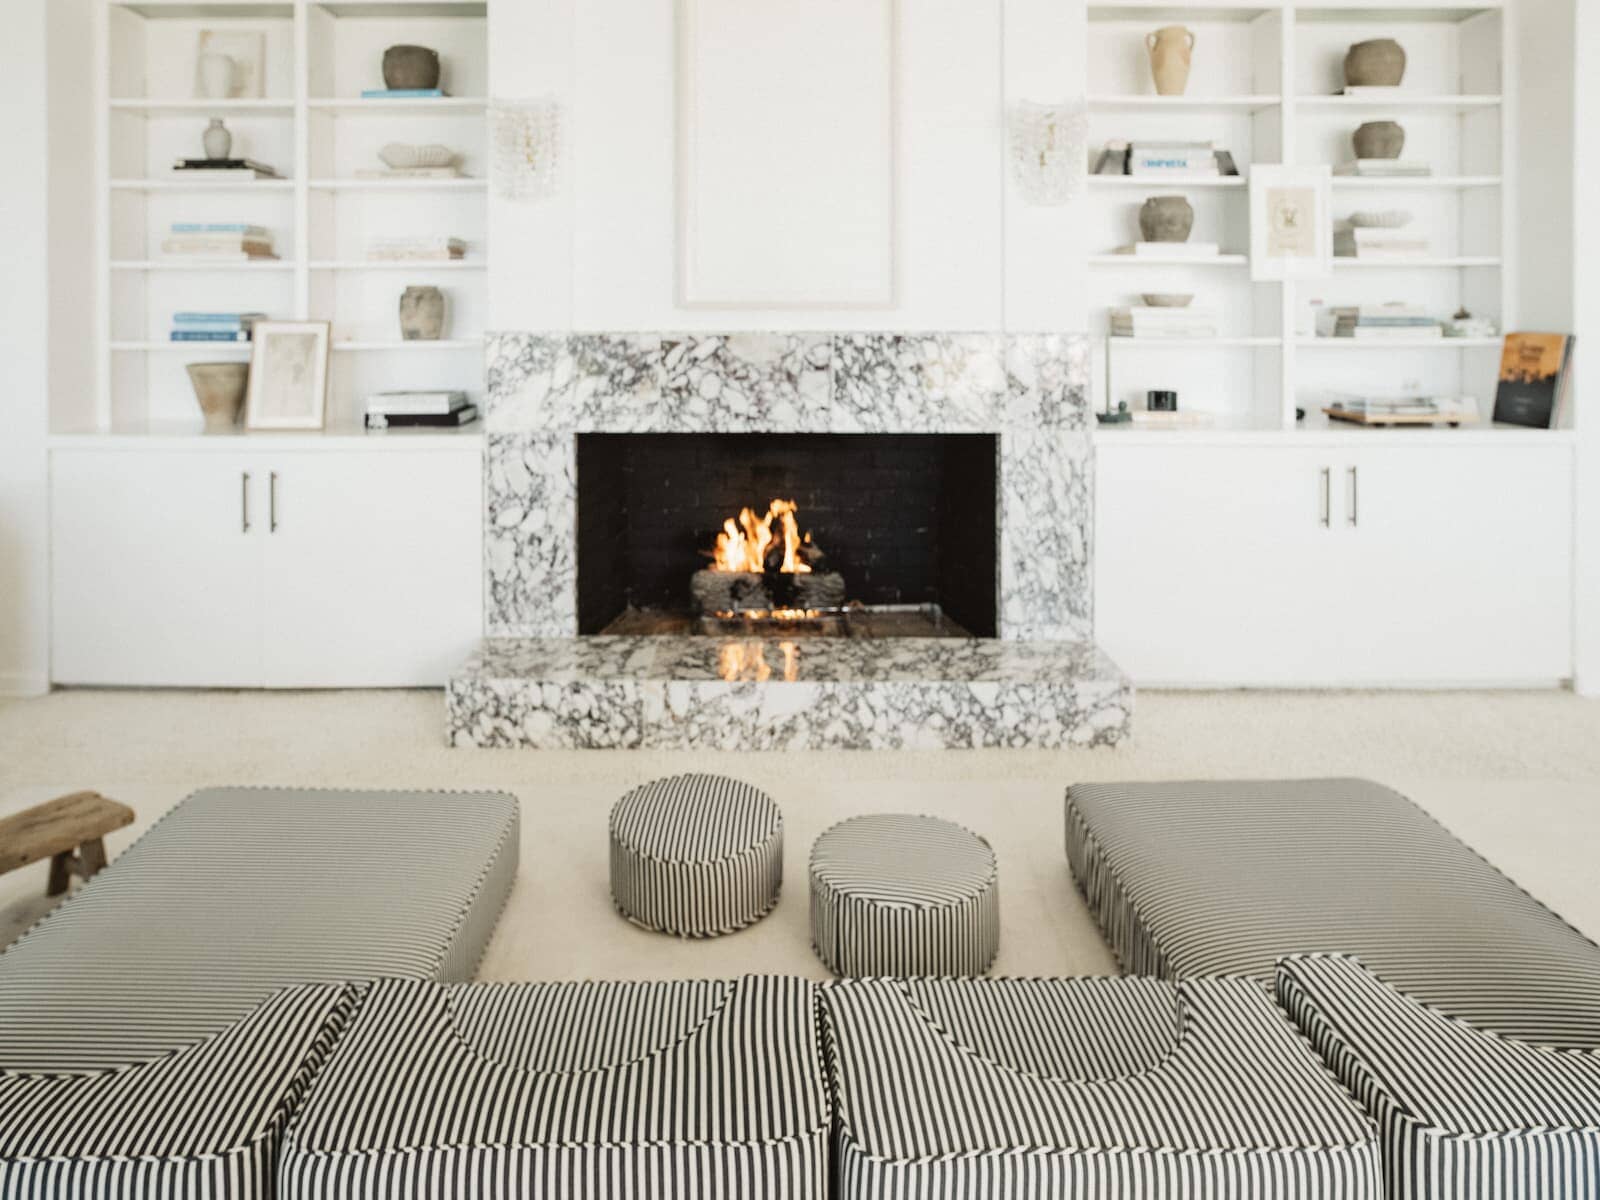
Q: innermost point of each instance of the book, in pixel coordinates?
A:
(1535, 374)
(1372, 91)
(256, 231)
(217, 318)
(223, 164)
(199, 247)
(402, 93)
(416, 249)
(409, 173)
(1172, 250)
(415, 403)
(223, 174)
(1383, 168)
(460, 416)
(210, 335)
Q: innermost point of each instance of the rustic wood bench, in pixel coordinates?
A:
(68, 830)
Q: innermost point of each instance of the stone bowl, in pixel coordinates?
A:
(219, 388)
(410, 67)
(1166, 219)
(1379, 139)
(1380, 62)
(1167, 299)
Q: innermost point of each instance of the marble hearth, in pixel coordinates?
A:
(536, 683)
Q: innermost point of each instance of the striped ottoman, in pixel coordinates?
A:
(678, 1090)
(1464, 1114)
(904, 895)
(1130, 1088)
(696, 855)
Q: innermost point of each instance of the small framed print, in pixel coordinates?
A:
(1291, 222)
(288, 375)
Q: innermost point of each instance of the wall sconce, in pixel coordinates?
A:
(1049, 150)
(525, 148)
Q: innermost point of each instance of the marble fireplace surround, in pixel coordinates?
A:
(1027, 389)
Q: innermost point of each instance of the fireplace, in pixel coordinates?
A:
(843, 534)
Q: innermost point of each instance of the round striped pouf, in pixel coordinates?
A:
(696, 855)
(904, 895)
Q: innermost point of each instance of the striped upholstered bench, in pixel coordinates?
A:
(1128, 1088)
(571, 1091)
(1227, 877)
(1464, 1114)
(202, 1122)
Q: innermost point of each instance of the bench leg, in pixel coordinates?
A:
(91, 857)
(60, 873)
(84, 862)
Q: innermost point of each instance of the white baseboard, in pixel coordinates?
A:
(16, 685)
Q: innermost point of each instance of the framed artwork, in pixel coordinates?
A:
(1291, 222)
(288, 375)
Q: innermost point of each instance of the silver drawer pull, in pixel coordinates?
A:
(1327, 497)
(244, 501)
(1355, 511)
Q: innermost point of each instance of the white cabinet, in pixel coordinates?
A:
(1335, 564)
(262, 567)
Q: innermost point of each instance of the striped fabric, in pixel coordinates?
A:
(904, 895)
(1226, 877)
(1118, 1089)
(240, 891)
(204, 1121)
(1464, 1114)
(577, 1091)
(696, 855)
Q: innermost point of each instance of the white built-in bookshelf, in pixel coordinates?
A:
(312, 125)
(1263, 85)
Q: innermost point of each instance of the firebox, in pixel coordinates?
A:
(824, 533)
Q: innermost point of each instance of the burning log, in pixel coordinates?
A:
(819, 590)
(716, 591)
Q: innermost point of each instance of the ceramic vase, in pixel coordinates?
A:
(1170, 50)
(1166, 219)
(422, 314)
(217, 141)
(216, 76)
(219, 389)
(1378, 63)
(1379, 139)
(407, 68)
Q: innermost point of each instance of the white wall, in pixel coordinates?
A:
(1585, 250)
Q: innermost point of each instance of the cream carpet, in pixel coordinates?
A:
(1515, 774)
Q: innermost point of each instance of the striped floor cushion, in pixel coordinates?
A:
(577, 1091)
(696, 855)
(899, 894)
(1227, 877)
(240, 891)
(204, 1121)
(1116, 1089)
(1464, 1114)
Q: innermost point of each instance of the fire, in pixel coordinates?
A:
(743, 544)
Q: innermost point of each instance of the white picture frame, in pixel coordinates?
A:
(247, 49)
(1291, 222)
(288, 386)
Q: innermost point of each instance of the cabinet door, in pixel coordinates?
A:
(1463, 564)
(1212, 564)
(374, 570)
(155, 575)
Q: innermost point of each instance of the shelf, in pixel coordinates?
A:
(1439, 343)
(1180, 10)
(399, 185)
(163, 265)
(179, 347)
(210, 10)
(443, 106)
(1392, 13)
(459, 264)
(190, 435)
(386, 346)
(1193, 343)
(1134, 260)
(403, 8)
(1316, 430)
(179, 185)
(1411, 264)
(1400, 102)
(1146, 182)
(1197, 104)
(1425, 183)
(203, 108)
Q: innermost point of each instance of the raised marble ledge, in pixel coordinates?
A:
(804, 693)
(785, 382)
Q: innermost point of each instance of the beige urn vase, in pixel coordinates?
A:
(1171, 49)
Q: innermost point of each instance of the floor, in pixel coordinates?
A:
(1516, 774)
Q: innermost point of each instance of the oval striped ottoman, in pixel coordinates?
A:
(696, 855)
(899, 894)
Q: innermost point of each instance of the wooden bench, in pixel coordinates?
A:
(68, 830)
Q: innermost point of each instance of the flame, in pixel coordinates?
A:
(775, 614)
(743, 544)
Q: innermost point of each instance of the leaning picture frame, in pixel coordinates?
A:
(1291, 222)
(288, 375)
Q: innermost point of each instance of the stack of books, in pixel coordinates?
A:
(402, 93)
(1166, 160)
(1143, 321)
(214, 326)
(416, 249)
(1377, 322)
(1384, 168)
(389, 410)
(230, 243)
(1403, 410)
(222, 169)
(1370, 242)
(450, 171)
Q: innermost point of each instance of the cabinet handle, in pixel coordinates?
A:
(244, 501)
(272, 501)
(1355, 509)
(1327, 497)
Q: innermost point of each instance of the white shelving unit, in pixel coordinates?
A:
(1263, 85)
(315, 129)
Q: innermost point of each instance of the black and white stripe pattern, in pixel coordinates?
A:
(1127, 1088)
(898, 894)
(240, 891)
(572, 1091)
(696, 855)
(205, 1121)
(1464, 1114)
(1226, 877)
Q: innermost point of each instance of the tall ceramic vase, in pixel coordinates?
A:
(1170, 50)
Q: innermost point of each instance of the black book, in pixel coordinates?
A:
(1535, 373)
(461, 416)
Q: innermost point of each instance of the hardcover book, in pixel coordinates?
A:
(1535, 372)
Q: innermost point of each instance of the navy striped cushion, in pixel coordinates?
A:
(1127, 1088)
(570, 1090)
(1226, 877)
(240, 891)
(204, 1121)
(1464, 1114)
